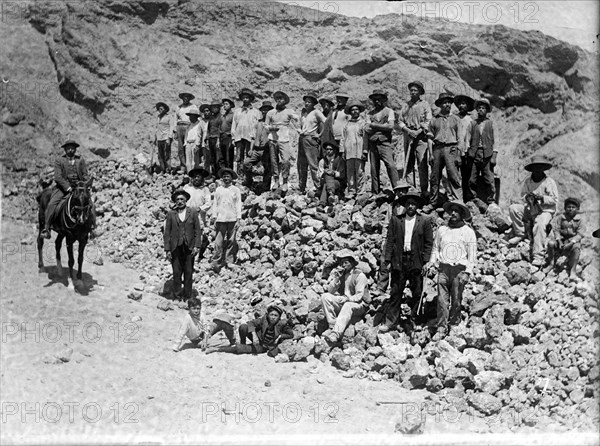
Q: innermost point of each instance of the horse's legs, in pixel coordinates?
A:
(81, 249)
(71, 257)
(58, 245)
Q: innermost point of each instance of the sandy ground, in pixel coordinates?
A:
(123, 383)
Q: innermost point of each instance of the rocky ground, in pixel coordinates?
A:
(528, 345)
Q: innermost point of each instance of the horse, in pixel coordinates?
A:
(72, 220)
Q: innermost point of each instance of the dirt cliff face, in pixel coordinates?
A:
(103, 65)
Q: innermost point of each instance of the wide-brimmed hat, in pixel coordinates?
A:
(70, 142)
(189, 95)
(596, 233)
(464, 210)
(417, 84)
(228, 100)
(361, 107)
(347, 254)
(332, 144)
(342, 94)
(198, 171)
(227, 170)
(267, 105)
(413, 196)
(443, 97)
(179, 192)
(464, 98)
(376, 93)
(162, 104)
(248, 92)
(573, 200)
(193, 111)
(204, 107)
(280, 93)
(327, 99)
(311, 95)
(276, 308)
(223, 317)
(485, 102)
(538, 162)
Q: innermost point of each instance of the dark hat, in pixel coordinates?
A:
(538, 162)
(276, 308)
(464, 98)
(216, 104)
(361, 107)
(204, 107)
(417, 84)
(189, 95)
(70, 142)
(267, 105)
(332, 144)
(193, 111)
(341, 94)
(464, 211)
(412, 195)
(485, 102)
(444, 97)
(162, 104)
(347, 254)
(247, 91)
(573, 200)
(198, 171)
(327, 99)
(376, 93)
(311, 95)
(178, 192)
(596, 233)
(228, 100)
(227, 170)
(280, 93)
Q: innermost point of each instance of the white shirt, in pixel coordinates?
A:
(409, 225)
(310, 123)
(200, 200)
(455, 246)
(181, 215)
(227, 204)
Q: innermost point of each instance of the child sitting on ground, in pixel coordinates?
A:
(195, 327)
(567, 233)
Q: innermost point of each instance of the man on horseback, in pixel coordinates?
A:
(69, 169)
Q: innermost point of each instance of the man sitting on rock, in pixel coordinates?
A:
(348, 295)
(332, 175)
(567, 233)
(265, 334)
(539, 196)
(454, 255)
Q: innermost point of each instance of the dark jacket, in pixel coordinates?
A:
(338, 164)
(421, 242)
(260, 325)
(485, 140)
(61, 172)
(187, 232)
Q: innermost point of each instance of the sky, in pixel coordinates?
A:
(576, 22)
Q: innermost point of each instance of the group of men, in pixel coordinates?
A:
(336, 137)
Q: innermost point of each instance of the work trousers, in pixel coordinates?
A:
(212, 155)
(164, 155)
(242, 147)
(226, 148)
(180, 134)
(255, 156)
(382, 151)
(480, 166)
(225, 243)
(446, 156)
(520, 216)
(329, 187)
(339, 311)
(192, 157)
(281, 154)
(354, 174)
(183, 266)
(556, 247)
(308, 160)
(449, 295)
(416, 151)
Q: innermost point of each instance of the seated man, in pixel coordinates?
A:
(195, 327)
(539, 196)
(348, 294)
(332, 175)
(567, 233)
(69, 169)
(265, 333)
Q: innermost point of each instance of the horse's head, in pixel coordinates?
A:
(81, 204)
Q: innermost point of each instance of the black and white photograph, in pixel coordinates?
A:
(299, 222)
